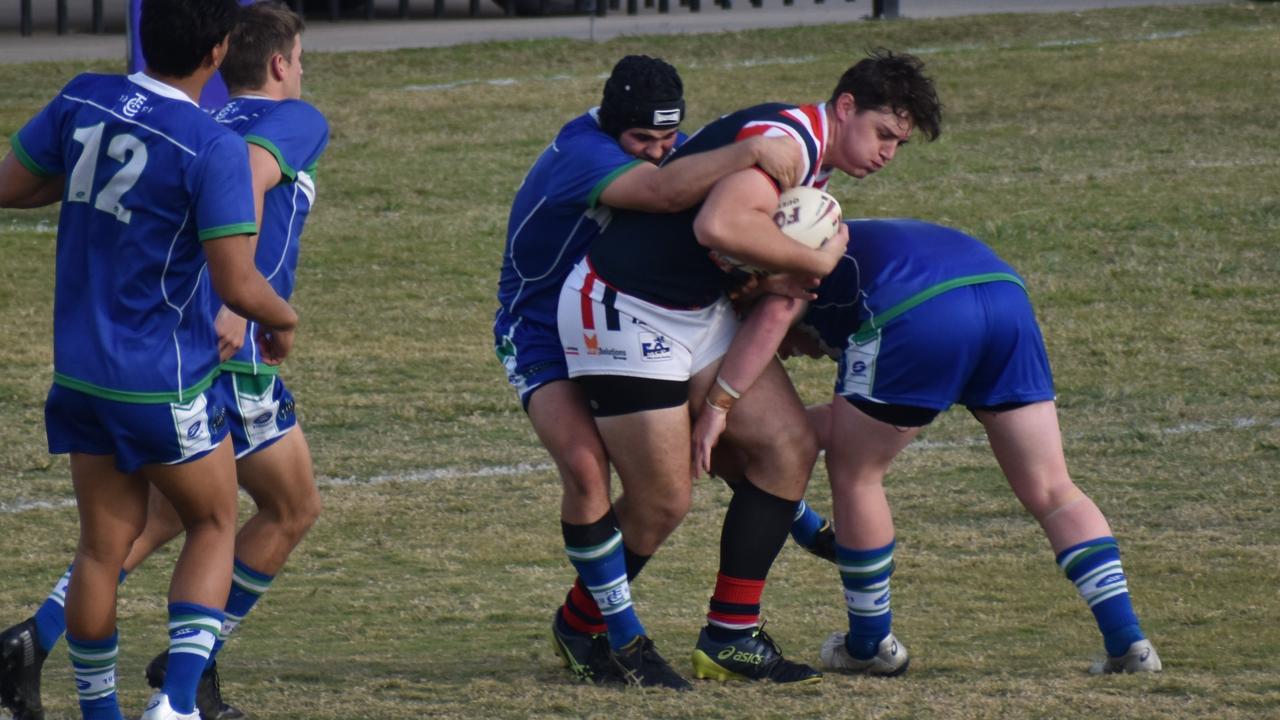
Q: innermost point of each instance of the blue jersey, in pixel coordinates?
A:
(656, 256)
(555, 216)
(890, 267)
(295, 133)
(149, 176)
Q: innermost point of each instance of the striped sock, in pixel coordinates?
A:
(579, 611)
(1094, 566)
(51, 617)
(192, 631)
(596, 553)
(805, 526)
(735, 608)
(94, 664)
(247, 585)
(865, 576)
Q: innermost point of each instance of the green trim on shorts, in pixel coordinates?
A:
(142, 398)
(871, 326)
(598, 190)
(241, 367)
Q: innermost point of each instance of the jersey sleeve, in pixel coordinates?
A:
(587, 163)
(222, 189)
(38, 145)
(295, 133)
(782, 126)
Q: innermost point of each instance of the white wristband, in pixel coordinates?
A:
(727, 388)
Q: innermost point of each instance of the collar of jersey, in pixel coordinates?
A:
(159, 88)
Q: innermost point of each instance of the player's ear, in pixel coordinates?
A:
(277, 66)
(218, 53)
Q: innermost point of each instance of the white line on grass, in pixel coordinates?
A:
(498, 471)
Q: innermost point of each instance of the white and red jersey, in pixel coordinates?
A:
(656, 256)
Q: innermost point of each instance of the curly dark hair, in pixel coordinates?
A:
(885, 79)
(177, 35)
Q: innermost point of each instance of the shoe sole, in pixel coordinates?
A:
(704, 668)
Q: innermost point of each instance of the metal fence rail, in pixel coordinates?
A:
(335, 10)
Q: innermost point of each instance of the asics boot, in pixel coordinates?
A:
(754, 657)
(890, 659)
(208, 693)
(21, 658)
(1140, 657)
(585, 655)
(639, 664)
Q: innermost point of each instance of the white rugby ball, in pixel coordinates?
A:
(808, 215)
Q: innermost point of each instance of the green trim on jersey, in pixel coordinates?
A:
(141, 398)
(240, 367)
(598, 190)
(222, 231)
(265, 144)
(26, 160)
(872, 326)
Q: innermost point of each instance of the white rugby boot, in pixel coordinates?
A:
(1140, 657)
(158, 708)
(890, 659)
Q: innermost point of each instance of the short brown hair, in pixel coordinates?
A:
(264, 29)
(896, 82)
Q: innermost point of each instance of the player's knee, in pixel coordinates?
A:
(584, 476)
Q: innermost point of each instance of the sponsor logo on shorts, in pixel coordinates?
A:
(286, 408)
(193, 431)
(218, 420)
(858, 367)
(263, 419)
(654, 348)
(594, 348)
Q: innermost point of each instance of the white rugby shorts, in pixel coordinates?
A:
(604, 331)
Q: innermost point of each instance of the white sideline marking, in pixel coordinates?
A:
(803, 59)
(497, 471)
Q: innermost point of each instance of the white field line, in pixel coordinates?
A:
(499, 471)
(804, 59)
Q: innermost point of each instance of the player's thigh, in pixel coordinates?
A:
(862, 447)
(769, 424)
(562, 420)
(651, 451)
(202, 491)
(1027, 443)
(280, 476)
(112, 505)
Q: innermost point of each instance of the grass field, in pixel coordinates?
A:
(1126, 161)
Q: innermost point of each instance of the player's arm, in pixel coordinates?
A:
(753, 348)
(21, 188)
(243, 289)
(230, 325)
(737, 220)
(684, 182)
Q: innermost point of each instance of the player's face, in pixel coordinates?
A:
(866, 140)
(292, 70)
(645, 144)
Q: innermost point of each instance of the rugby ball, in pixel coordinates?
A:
(808, 216)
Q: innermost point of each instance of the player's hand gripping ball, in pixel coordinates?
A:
(808, 216)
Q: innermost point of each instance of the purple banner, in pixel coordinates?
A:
(215, 92)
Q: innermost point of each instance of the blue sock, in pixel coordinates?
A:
(807, 523)
(51, 617)
(1094, 566)
(94, 664)
(603, 569)
(247, 585)
(192, 631)
(865, 576)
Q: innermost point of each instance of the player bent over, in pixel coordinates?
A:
(286, 136)
(644, 320)
(608, 158)
(919, 317)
